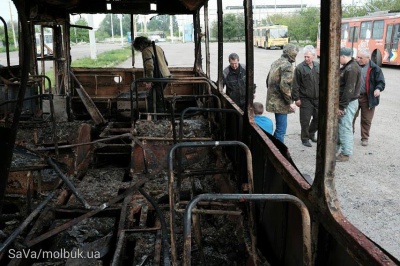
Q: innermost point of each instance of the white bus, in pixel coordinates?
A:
(47, 43)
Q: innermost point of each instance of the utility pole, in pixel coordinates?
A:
(171, 29)
(92, 38)
(12, 27)
(112, 28)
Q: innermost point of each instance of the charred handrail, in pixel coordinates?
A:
(53, 118)
(306, 223)
(173, 190)
(27, 221)
(234, 111)
(126, 135)
(7, 42)
(68, 183)
(176, 98)
(181, 80)
(27, 99)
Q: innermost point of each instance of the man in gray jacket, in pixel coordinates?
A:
(305, 93)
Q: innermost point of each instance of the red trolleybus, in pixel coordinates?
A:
(378, 31)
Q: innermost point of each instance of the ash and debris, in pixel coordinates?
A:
(23, 157)
(222, 235)
(67, 132)
(81, 236)
(99, 186)
(42, 134)
(199, 128)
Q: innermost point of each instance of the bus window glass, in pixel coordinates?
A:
(396, 36)
(377, 30)
(278, 33)
(353, 37)
(365, 32)
(345, 31)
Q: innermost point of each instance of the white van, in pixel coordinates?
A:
(156, 38)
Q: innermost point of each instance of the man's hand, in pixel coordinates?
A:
(148, 85)
(341, 112)
(293, 107)
(377, 92)
(298, 103)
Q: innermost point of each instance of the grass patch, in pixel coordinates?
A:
(10, 48)
(106, 59)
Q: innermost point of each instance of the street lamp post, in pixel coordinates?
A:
(120, 25)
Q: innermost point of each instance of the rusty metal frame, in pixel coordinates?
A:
(306, 222)
(173, 189)
(181, 80)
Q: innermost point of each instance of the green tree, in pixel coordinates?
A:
(10, 34)
(80, 34)
(303, 26)
(310, 19)
(233, 27)
(162, 23)
(105, 25)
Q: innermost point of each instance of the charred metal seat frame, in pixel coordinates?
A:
(306, 223)
(184, 97)
(174, 187)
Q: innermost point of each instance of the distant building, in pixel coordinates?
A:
(263, 11)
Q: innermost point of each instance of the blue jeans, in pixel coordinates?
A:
(281, 125)
(345, 136)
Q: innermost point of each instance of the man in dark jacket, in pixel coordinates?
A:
(305, 92)
(235, 80)
(350, 81)
(372, 83)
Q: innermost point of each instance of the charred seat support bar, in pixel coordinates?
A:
(88, 102)
(306, 223)
(164, 230)
(25, 223)
(173, 188)
(68, 183)
(85, 216)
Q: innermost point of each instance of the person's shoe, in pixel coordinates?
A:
(306, 143)
(313, 138)
(364, 142)
(342, 158)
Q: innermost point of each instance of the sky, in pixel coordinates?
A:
(5, 6)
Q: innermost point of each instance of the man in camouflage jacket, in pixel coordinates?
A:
(279, 93)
